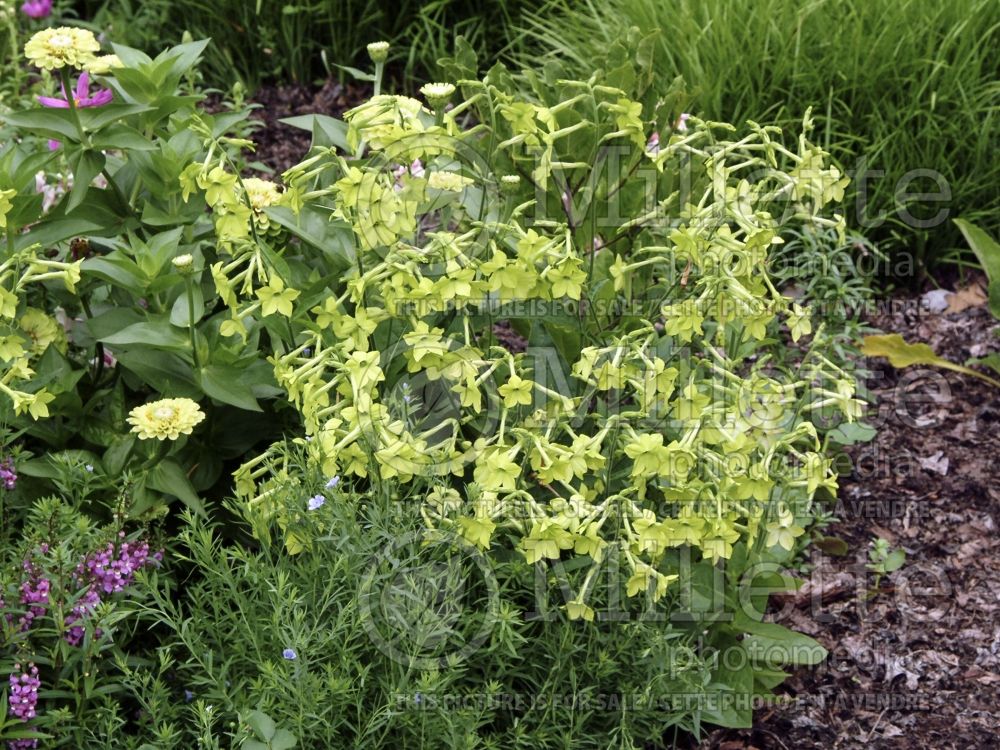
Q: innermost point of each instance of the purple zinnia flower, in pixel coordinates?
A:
(316, 502)
(81, 96)
(37, 8)
(289, 654)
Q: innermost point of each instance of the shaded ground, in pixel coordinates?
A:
(919, 664)
(281, 146)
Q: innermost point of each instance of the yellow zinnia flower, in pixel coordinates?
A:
(166, 419)
(53, 49)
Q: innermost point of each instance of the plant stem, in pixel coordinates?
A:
(192, 333)
(64, 75)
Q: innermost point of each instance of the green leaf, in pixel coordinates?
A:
(990, 360)
(169, 478)
(112, 321)
(894, 561)
(95, 118)
(334, 238)
(132, 58)
(734, 708)
(832, 545)
(262, 725)
(46, 122)
(53, 465)
(101, 216)
(117, 269)
(899, 353)
(326, 131)
(851, 433)
(183, 57)
(122, 138)
(165, 372)
(224, 384)
(86, 166)
(157, 333)
(358, 74)
(180, 313)
(283, 740)
(776, 644)
(987, 251)
(117, 454)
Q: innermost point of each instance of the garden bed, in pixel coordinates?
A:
(913, 670)
(490, 414)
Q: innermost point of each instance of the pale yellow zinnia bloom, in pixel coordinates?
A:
(166, 419)
(56, 48)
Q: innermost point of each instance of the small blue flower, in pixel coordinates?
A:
(289, 653)
(89, 468)
(188, 696)
(332, 482)
(316, 501)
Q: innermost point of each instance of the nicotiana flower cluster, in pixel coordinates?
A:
(644, 450)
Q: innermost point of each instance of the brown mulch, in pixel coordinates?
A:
(281, 146)
(917, 665)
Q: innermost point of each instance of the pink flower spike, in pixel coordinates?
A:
(37, 8)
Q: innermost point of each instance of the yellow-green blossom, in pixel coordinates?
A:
(5, 206)
(101, 66)
(261, 193)
(450, 181)
(42, 330)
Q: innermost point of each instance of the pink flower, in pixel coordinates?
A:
(37, 8)
(81, 97)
